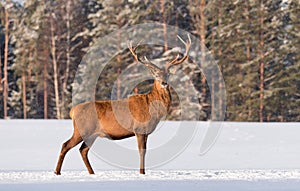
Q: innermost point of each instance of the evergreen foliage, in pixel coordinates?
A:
(255, 43)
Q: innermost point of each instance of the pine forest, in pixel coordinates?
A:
(255, 43)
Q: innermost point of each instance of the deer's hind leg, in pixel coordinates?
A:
(84, 149)
(72, 142)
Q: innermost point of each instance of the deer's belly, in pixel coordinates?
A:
(116, 130)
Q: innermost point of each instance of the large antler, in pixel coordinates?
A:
(187, 49)
(146, 62)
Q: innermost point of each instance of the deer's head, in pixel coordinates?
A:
(161, 75)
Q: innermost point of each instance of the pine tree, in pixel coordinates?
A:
(63, 44)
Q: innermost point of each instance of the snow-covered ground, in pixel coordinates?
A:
(225, 180)
(245, 156)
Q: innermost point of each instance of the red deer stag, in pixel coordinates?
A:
(98, 118)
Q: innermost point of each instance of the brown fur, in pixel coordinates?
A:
(137, 115)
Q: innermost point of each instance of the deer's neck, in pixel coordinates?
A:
(160, 93)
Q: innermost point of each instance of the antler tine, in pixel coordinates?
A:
(132, 50)
(145, 57)
(173, 61)
(180, 39)
(146, 62)
(187, 49)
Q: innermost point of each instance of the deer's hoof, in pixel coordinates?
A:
(142, 171)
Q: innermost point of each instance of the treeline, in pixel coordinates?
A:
(255, 43)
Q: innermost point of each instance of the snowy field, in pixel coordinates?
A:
(245, 156)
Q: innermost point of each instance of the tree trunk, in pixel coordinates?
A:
(119, 69)
(212, 94)
(5, 90)
(220, 100)
(164, 16)
(55, 72)
(68, 48)
(248, 54)
(202, 46)
(1, 82)
(24, 93)
(45, 88)
(261, 64)
(31, 90)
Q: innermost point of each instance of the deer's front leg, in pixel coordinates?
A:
(142, 145)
